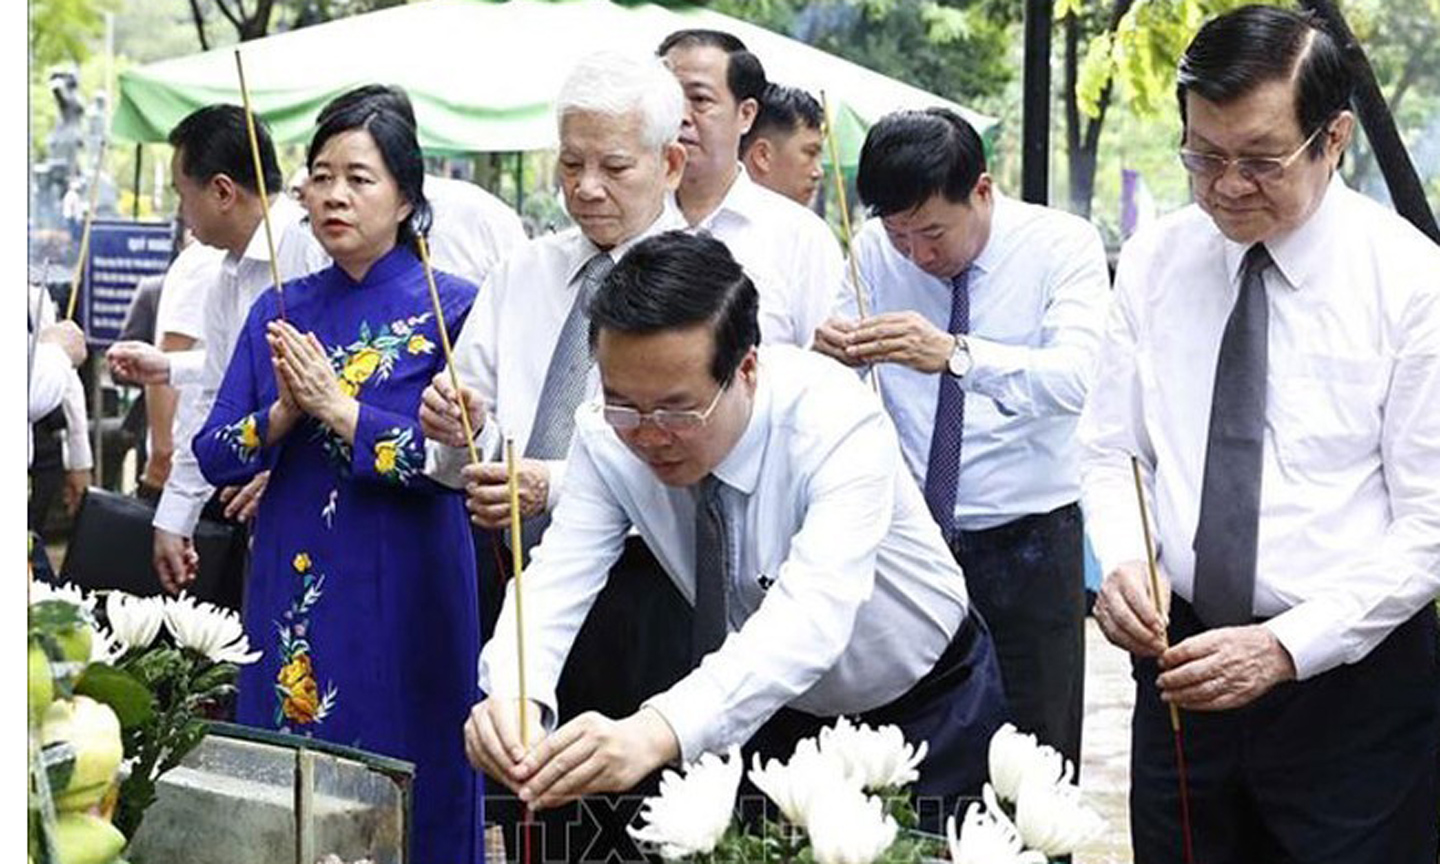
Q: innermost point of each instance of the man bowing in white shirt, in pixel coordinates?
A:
(769, 484)
(1273, 359)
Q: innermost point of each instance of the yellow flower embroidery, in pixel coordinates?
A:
(384, 457)
(361, 366)
(302, 562)
(418, 344)
(349, 388)
(302, 697)
(249, 435)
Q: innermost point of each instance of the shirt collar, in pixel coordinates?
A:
(989, 257)
(741, 199)
(670, 219)
(740, 469)
(258, 249)
(1294, 253)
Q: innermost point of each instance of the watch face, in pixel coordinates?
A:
(960, 361)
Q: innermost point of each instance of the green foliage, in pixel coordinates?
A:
(61, 30)
(127, 697)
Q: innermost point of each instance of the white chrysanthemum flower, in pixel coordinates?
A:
(207, 629)
(1014, 757)
(1052, 818)
(792, 785)
(875, 758)
(68, 592)
(987, 837)
(135, 621)
(847, 826)
(692, 811)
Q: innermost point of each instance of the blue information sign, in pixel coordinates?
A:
(121, 254)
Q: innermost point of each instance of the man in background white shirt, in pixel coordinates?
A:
(782, 149)
(769, 485)
(788, 251)
(1273, 360)
(986, 316)
(214, 176)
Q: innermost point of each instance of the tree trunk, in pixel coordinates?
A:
(1405, 189)
(1083, 148)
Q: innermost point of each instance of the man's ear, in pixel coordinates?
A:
(225, 190)
(748, 109)
(761, 156)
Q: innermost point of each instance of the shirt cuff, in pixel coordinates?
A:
(556, 468)
(186, 368)
(991, 362)
(690, 715)
(178, 512)
(77, 455)
(1313, 635)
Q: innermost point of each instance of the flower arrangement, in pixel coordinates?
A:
(842, 800)
(100, 692)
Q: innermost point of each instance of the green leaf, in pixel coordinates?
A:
(127, 697)
(59, 761)
(944, 24)
(1094, 73)
(1068, 7)
(54, 616)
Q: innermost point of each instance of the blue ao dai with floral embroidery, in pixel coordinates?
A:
(362, 589)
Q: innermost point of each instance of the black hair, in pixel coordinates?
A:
(676, 280)
(1237, 52)
(395, 139)
(782, 110)
(214, 140)
(744, 74)
(910, 156)
(376, 95)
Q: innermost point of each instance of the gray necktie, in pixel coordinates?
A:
(712, 568)
(1229, 524)
(564, 385)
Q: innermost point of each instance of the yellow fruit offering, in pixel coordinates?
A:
(94, 731)
(42, 683)
(84, 839)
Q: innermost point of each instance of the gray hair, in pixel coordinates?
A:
(617, 84)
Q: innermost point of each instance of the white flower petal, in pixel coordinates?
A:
(848, 827)
(692, 811)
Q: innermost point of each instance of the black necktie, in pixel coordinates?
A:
(1229, 524)
(712, 568)
(942, 474)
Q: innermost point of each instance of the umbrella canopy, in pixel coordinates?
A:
(482, 75)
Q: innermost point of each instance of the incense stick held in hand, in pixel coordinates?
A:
(517, 553)
(1154, 568)
(260, 183)
(843, 205)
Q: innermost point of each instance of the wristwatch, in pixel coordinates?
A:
(960, 362)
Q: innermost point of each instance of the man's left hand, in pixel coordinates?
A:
(241, 502)
(76, 482)
(1224, 668)
(906, 338)
(487, 491)
(593, 753)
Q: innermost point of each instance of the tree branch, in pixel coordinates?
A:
(199, 24)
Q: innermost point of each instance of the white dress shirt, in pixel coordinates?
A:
(847, 595)
(473, 231)
(1038, 294)
(183, 293)
(45, 376)
(1349, 544)
(504, 349)
(787, 251)
(241, 279)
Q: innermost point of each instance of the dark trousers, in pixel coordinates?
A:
(1027, 578)
(1340, 769)
(635, 643)
(955, 708)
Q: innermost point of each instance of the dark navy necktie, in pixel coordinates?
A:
(1228, 530)
(943, 472)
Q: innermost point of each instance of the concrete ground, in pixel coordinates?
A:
(1105, 747)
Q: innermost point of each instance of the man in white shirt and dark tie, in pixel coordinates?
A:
(769, 484)
(985, 316)
(1273, 360)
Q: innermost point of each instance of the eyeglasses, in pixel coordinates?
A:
(1255, 169)
(628, 419)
